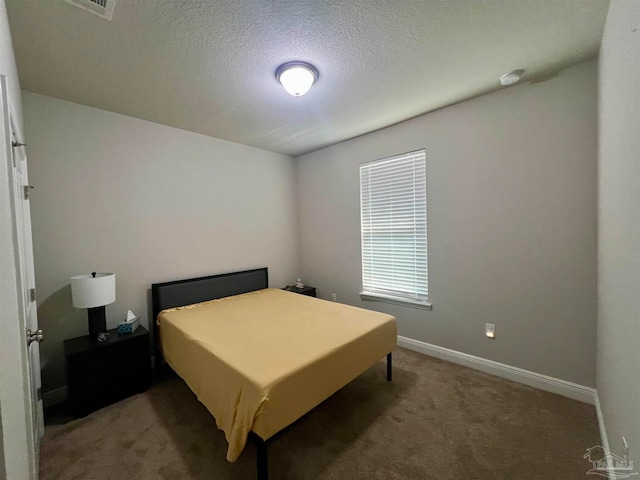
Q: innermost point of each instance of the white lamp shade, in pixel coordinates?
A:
(297, 77)
(89, 292)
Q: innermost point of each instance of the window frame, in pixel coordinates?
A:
(415, 299)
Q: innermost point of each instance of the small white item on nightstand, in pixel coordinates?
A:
(299, 284)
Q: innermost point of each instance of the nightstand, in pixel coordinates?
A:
(99, 374)
(306, 290)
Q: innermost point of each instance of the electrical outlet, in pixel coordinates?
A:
(334, 298)
(490, 330)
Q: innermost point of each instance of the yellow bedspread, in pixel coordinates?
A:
(261, 360)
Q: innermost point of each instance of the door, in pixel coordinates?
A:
(20, 403)
(27, 281)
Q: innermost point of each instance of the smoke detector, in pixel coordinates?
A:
(102, 8)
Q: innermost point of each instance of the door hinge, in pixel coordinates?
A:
(15, 144)
(27, 191)
(32, 294)
(39, 393)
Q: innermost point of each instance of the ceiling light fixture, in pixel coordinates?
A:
(511, 77)
(297, 77)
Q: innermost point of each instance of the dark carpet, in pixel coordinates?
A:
(436, 420)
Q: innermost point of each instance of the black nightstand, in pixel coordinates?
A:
(99, 374)
(306, 290)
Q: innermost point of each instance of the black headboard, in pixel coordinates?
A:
(194, 290)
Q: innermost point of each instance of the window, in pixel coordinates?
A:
(393, 209)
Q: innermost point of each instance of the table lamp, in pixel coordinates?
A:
(94, 292)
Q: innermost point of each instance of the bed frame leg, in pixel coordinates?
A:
(261, 456)
(389, 365)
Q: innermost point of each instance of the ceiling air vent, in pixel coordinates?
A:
(102, 8)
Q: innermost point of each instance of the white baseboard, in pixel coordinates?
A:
(533, 379)
(54, 397)
(604, 440)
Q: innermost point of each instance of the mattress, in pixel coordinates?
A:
(261, 360)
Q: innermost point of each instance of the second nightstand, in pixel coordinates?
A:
(99, 374)
(306, 290)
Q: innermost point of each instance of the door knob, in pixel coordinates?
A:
(36, 336)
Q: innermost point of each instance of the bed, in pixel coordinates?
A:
(259, 358)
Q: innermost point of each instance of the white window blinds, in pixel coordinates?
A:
(393, 206)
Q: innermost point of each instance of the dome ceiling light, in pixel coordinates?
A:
(297, 77)
(511, 77)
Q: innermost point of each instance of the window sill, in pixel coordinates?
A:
(405, 302)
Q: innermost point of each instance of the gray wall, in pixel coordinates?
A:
(619, 228)
(511, 219)
(150, 203)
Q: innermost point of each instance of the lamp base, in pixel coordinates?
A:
(97, 321)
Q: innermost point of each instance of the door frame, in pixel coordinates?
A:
(15, 394)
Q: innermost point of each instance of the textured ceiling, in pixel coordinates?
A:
(208, 65)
